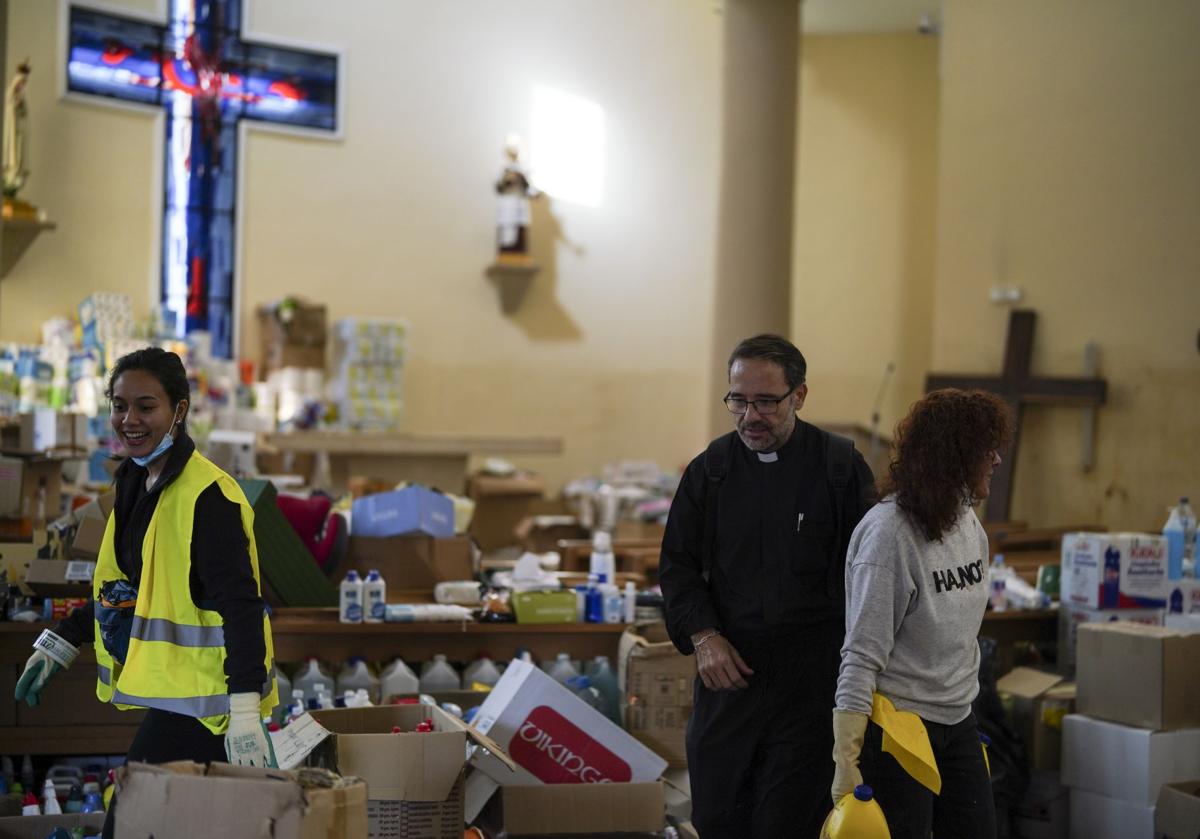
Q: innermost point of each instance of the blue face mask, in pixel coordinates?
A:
(165, 443)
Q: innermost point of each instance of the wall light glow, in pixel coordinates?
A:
(566, 146)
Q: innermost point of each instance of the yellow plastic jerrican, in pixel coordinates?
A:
(857, 816)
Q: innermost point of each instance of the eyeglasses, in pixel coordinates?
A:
(765, 406)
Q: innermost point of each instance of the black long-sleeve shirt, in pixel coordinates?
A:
(221, 577)
(776, 541)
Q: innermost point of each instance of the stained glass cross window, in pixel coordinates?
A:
(207, 77)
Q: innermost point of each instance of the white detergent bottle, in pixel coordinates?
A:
(356, 675)
(312, 679)
(398, 679)
(481, 671)
(562, 670)
(438, 676)
(374, 597)
(350, 604)
(602, 560)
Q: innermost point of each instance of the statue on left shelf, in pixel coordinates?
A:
(16, 133)
(512, 206)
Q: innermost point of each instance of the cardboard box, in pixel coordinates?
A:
(566, 809)
(544, 606)
(1114, 570)
(1177, 813)
(45, 430)
(501, 503)
(541, 534)
(414, 509)
(1070, 618)
(39, 827)
(89, 535)
(411, 563)
(298, 343)
(1101, 817)
(1040, 700)
(60, 578)
(1120, 761)
(657, 683)
(22, 481)
(1139, 675)
(415, 781)
(554, 737)
(1183, 597)
(185, 800)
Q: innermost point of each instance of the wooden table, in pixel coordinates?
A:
(435, 461)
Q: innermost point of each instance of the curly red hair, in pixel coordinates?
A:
(942, 450)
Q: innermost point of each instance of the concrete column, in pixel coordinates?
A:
(754, 220)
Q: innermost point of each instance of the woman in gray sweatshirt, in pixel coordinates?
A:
(916, 591)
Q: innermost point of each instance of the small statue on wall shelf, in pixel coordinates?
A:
(514, 191)
(16, 133)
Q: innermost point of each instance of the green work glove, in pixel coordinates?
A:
(50, 654)
(247, 741)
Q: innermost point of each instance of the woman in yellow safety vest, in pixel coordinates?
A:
(177, 616)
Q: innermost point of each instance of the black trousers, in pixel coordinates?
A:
(760, 759)
(963, 810)
(163, 737)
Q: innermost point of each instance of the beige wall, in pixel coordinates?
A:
(1070, 167)
(863, 257)
(610, 348)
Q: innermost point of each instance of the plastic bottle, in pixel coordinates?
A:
(29, 805)
(50, 805)
(357, 675)
(298, 706)
(594, 600)
(997, 579)
(374, 597)
(92, 803)
(605, 681)
(857, 816)
(74, 800)
(562, 670)
(350, 608)
(581, 603)
(1180, 533)
(311, 678)
(438, 676)
(481, 671)
(602, 561)
(398, 679)
(27, 772)
(630, 601)
(614, 604)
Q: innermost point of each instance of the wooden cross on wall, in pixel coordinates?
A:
(1019, 388)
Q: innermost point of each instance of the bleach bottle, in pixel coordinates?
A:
(350, 604)
(374, 597)
(398, 679)
(857, 816)
(355, 676)
(438, 676)
(312, 679)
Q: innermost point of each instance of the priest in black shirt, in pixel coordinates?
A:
(752, 571)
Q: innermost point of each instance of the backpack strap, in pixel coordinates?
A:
(839, 465)
(716, 466)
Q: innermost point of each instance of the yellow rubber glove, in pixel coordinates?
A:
(50, 654)
(247, 742)
(849, 728)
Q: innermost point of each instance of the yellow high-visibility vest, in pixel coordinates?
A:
(176, 658)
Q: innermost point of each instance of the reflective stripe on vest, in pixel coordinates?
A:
(104, 674)
(192, 706)
(179, 634)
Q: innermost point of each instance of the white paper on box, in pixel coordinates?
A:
(295, 741)
(1126, 763)
(556, 738)
(1114, 570)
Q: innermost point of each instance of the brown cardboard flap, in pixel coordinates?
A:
(1177, 812)
(484, 742)
(583, 808)
(1027, 682)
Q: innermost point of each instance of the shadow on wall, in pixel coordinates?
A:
(528, 298)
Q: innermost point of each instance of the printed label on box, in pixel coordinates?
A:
(559, 752)
(80, 572)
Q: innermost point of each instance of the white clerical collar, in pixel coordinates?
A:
(768, 457)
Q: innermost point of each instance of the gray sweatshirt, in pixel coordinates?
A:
(913, 611)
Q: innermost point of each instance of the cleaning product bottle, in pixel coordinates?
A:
(594, 600)
(397, 679)
(997, 580)
(630, 601)
(856, 816)
(298, 706)
(311, 675)
(1173, 532)
(481, 671)
(562, 670)
(350, 609)
(50, 805)
(582, 687)
(438, 676)
(605, 681)
(374, 600)
(355, 675)
(284, 684)
(602, 560)
(614, 606)
(29, 805)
